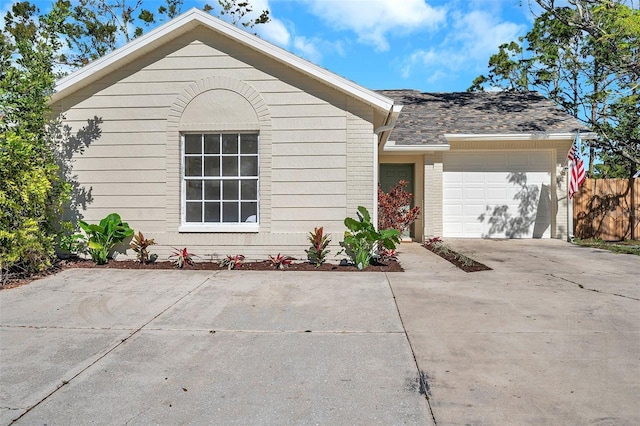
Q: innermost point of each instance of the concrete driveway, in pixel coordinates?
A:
(190, 347)
(550, 336)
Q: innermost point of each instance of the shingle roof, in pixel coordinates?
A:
(426, 117)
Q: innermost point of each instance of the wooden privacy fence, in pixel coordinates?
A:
(607, 209)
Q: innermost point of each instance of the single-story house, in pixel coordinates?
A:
(204, 136)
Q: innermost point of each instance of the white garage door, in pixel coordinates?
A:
(501, 194)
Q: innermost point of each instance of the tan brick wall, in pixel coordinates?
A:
(433, 195)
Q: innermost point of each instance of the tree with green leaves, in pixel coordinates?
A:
(31, 191)
(96, 27)
(583, 57)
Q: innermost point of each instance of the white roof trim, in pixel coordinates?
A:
(459, 137)
(189, 20)
(391, 146)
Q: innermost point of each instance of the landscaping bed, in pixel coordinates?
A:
(387, 266)
(21, 279)
(462, 261)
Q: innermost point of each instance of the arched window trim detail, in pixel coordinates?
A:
(174, 160)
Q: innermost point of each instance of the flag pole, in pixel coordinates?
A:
(570, 165)
(570, 235)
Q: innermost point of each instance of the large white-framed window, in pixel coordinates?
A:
(220, 182)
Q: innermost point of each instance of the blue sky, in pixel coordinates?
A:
(429, 45)
(435, 46)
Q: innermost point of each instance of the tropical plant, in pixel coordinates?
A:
(280, 261)
(141, 245)
(385, 254)
(318, 252)
(432, 242)
(103, 237)
(232, 262)
(71, 242)
(181, 257)
(362, 240)
(394, 208)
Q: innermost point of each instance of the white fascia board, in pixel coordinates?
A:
(460, 137)
(391, 146)
(191, 19)
(385, 131)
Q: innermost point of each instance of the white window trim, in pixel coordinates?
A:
(224, 227)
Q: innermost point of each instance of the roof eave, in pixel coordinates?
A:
(392, 147)
(491, 137)
(384, 131)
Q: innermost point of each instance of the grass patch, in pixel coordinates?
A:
(624, 247)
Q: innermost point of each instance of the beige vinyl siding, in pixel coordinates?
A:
(316, 147)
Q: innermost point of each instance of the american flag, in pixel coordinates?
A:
(576, 168)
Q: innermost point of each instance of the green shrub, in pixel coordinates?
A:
(29, 195)
(362, 240)
(103, 237)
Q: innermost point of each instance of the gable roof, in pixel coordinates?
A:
(190, 20)
(436, 118)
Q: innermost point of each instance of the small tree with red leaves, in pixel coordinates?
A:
(394, 208)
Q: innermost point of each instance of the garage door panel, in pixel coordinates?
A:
(472, 211)
(473, 178)
(495, 178)
(474, 193)
(497, 194)
(457, 193)
(471, 228)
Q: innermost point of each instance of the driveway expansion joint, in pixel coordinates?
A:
(424, 387)
(210, 331)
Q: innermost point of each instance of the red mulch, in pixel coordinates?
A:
(18, 280)
(389, 266)
(469, 266)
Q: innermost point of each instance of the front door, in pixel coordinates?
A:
(390, 175)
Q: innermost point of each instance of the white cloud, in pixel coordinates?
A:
(314, 48)
(373, 20)
(274, 31)
(307, 49)
(471, 39)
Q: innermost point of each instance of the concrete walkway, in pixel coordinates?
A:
(550, 336)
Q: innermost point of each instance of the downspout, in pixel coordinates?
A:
(375, 180)
(378, 133)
